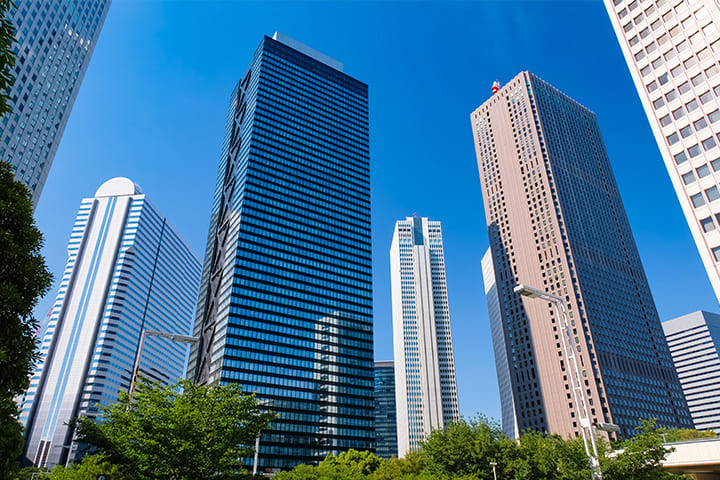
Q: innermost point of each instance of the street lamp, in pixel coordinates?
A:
(136, 369)
(493, 464)
(569, 350)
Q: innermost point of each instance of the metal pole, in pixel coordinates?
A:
(136, 367)
(257, 449)
(494, 473)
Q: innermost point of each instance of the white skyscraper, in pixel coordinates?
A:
(128, 270)
(425, 388)
(672, 48)
(694, 342)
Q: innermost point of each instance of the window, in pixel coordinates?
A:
(657, 63)
(703, 171)
(652, 86)
(678, 112)
(707, 224)
(716, 253)
(712, 194)
(691, 105)
(684, 88)
(705, 97)
(714, 116)
(700, 124)
(697, 200)
(671, 95)
(645, 71)
(640, 55)
(673, 139)
(686, 131)
(688, 178)
(694, 151)
(698, 79)
(716, 164)
(658, 103)
(663, 79)
(708, 144)
(676, 72)
(665, 121)
(634, 40)
(680, 158)
(712, 71)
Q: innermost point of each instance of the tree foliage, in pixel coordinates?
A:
(7, 56)
(24, 278)
(182, 431)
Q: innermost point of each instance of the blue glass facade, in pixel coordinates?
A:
(127, 270)
(285, 305)
(55, 40)
(386, 441)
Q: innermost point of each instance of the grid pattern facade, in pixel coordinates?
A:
(694, 342)
(556, 221)
(285, 305)
(127, 270)
(672, 48)
(502, 366)
(386, 444)
(54, 43)
(426, 389)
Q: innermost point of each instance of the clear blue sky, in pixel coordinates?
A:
(153, 103)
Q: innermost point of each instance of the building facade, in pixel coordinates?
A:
(502, 366)
(55, 41)
(285, 306)
(425, 386)
(128, 270)
(694, 342)
(386, 444)
(556, 222)
(672, 48)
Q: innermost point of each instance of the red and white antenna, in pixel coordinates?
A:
(495, 87)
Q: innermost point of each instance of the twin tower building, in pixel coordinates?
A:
(283, 298)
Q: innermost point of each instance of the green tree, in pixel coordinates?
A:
(683, 434)
(90, 468)
(181, 431)
(24, 278)
(7, 56)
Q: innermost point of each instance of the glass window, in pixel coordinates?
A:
(640, 55)
(686, 131)
(700, 124)
(634, 40)
(716, 164)
(673, 139)
(671, 95)
(678, 112)
(697, 200)
(708, 144)
(665, 121)
(694, 151)
(698, 79)
(684, 88)
(716, 253)
(712, 71)
(688, 178)
(652, 86)
(705, 97)
(658, 103)
(707, 224)
(691, 105)
(680, 158)
(663, 79)
(703, 171)
(714, 116)
(712, 194)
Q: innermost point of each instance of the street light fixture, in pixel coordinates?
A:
(493, 464)
(171, 336)
(569, 350)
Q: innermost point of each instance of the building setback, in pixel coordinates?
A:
(386, 444)
(672, 49)
(127, 270)
(285, 306)
(55, 41)
(425, 387)
(694, 342)
(556, 222)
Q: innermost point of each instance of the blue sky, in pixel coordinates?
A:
(154, 99)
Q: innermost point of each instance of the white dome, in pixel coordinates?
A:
(118, 186)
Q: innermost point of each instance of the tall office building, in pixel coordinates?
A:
(694, 342)
(128, 270)
(55, 41)
(502, 366)
(556, 222)
(425, 388)
(386, 444)
(672, 48)
(285, 306)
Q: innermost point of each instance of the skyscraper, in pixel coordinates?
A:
(425, 387)
(55, 41)
(556, 222)
(127, 270)
(285, 306)
(694, 342)
(386, 444)
(673, 51)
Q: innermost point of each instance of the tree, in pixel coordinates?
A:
(7, 56)
(182, 431)
(24, 278)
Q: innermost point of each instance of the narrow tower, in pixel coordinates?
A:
(128, 270)
(556, 223)
(425, 388)
(285, 305)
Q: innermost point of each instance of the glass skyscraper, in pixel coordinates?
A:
(128, 270)
(55, 40)
(386, 444)
(425, 386)
(285, 306)
(556, 222)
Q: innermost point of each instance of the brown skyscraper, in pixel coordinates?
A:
(556, 222)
